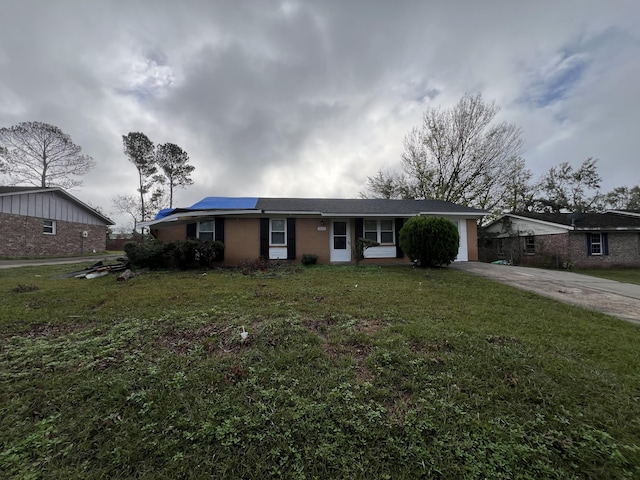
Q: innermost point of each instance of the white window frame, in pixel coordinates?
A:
(283, 232)
(379, 231)
(48, 227)
(596, 243)
(212, 231)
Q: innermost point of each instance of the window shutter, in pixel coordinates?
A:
(219, 234)
(359, 228)
(399, 222)
(605, 244)
(589, 244)
(264, 237)
(291, 238)
(191, 231)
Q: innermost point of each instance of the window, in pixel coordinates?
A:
(206, 230)
(49, 227)
(529, 245)
(381, 231)
(596, 244)
(278, 231)
(501, 246)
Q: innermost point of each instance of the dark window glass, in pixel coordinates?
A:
(339, 243)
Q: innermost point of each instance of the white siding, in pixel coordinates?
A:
(526, 228)
(463, 252)
(380, 252)
(277, 253)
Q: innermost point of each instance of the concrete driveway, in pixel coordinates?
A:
(621, 300)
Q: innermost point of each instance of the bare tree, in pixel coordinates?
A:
(565, 188)
(459, 155)
(42, 155)
(140, 151)
(520, 190)
(128, 205)
(174, 163)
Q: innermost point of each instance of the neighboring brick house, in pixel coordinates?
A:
(287, 228)
(562, 240)
(38, 221)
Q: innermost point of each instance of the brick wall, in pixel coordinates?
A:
(624, 251)
(23, 236)
(556, 251)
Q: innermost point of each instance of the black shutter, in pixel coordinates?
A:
(219, 234)
(264, 238)
(191, 231)
(291, 238)
(589, 244)
(399, 224)
(359, 228)
(605, 244)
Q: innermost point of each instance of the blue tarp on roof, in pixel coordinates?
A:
(163, 213)
(225, 203)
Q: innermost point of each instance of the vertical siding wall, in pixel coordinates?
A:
(47, 205)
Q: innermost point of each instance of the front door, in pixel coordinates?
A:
(340, 241)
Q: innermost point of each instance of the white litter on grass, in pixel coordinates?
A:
(244, 334)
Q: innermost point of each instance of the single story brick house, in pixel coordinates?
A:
(37, 221)
(287, 228)
(562, 240)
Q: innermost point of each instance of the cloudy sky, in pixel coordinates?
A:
(308, 98)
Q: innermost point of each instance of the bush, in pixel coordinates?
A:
(360, 246)
(184, 254)
(430, 241)
(309, 259)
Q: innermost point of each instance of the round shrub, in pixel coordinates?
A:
(430, 241)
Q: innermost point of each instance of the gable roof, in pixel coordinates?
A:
(326, 207)
(632, 213)
(579, 221)
(8, 191)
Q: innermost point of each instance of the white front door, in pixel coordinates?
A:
(340, 241)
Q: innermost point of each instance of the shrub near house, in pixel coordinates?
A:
(430, 241)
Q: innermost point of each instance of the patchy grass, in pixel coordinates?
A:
(347, 372)
(627, 275)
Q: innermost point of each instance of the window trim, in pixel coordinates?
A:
(379, 231)
(283, 231)
(52, 227)
(212, 231)
(599, 243)
(500, 246)
(530, 245)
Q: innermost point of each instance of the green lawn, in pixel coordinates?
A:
(347, 372)
(627, 275)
